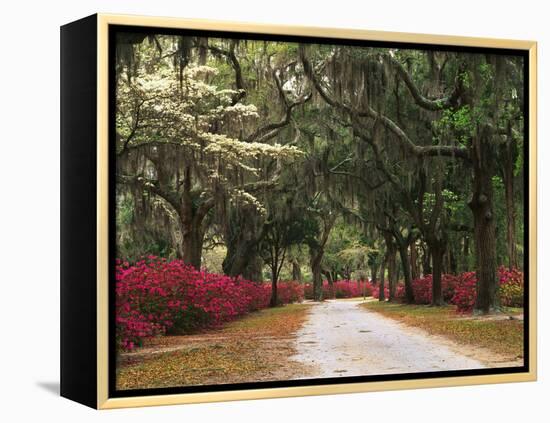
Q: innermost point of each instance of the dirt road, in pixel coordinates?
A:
(342, 339)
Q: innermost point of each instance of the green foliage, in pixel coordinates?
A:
(135, 238)
(357, 256)
(345, 252)
(296, 174)
(461, 123)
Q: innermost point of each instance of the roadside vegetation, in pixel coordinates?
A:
(253, 348)
(501, 334)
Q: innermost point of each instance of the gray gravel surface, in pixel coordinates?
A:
(342, 339)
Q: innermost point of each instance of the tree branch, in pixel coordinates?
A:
(234, 61)
(424, 102)
(390, 125)
(270, 130)
(204, 208)
(135, 125)
(152, 187)
(368, 183)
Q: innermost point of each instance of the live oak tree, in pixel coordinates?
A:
(288, 225)
(331, 160)
(476, 91)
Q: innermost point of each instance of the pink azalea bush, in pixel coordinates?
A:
(399, 291)
(287, 292)
(155, 297)
(465, 292)
(422, 288)
(511, 287)
(460, 290)
(341, 289)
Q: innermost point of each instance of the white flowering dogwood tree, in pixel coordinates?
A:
(191, 146)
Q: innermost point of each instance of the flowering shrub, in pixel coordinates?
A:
(465, 292)
(341, 289)
(399, 292)
(287, 292)
(511, 287)
(422, 288)
(376, 292)
(155, 297)
(349, 289)
(460, 290)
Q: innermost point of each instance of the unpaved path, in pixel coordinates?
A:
(342, 339)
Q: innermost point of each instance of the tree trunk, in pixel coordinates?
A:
(296, 271)
(238, 257)
(253, 271)
(274, 265)
(404, 255)
(398, 271)
(382, 294)
(317, 276)
(193, 237)
(274, 298)
(426, 262)
(178, 242)
(391, 264)
(330, 281)
(330, 278)
(465, 253)
(508, 179)
(447, 263)
(392, 274)
(437, 257)
(374, 274)
(453, 266)
(191, 219)
(481, 205)
(242, 237)
(414, 261)
(316, 257)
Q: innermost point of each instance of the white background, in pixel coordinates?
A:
(29, 192)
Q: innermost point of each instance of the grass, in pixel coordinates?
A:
(255, 347)
(278, 321)
(502, 336)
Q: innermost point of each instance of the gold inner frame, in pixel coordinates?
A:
(103, 22)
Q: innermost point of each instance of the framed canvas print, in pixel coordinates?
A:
(253, 211)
